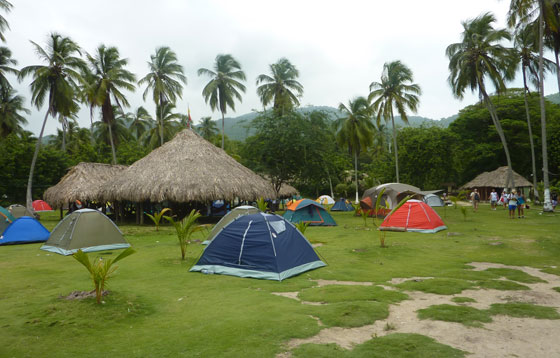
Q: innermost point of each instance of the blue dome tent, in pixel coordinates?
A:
(261, 246)
(342, 205)
(24, 230)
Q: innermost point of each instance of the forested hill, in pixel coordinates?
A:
(239, 128)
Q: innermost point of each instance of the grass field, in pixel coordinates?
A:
(156, 308)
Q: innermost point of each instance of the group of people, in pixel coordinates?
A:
(513, 201)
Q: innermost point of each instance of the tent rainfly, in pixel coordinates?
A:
(308, 211)
(414, 215)
(261, 246)
(187, 168)
(82, 182)
(87, 230)
(232, 215)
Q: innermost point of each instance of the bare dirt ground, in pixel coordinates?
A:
(504, 337)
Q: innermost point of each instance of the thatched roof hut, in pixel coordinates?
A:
(287, 190)
(82, 182)
(187, 168)
(496, 179)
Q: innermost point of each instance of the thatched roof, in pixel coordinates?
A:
(287, 190)
(496, 179)
(187, 168)
(82, 182)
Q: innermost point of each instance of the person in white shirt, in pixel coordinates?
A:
(493, 199)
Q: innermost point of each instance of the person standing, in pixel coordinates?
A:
(512, 203)
(475, 197)
(493, 199)
(520, 205)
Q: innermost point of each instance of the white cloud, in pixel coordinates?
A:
(338, 47)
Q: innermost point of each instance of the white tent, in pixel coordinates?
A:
(325, 200)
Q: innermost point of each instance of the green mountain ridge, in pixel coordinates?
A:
(239, 128)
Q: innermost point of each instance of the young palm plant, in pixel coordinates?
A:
(185, 228)
(100, 270)
(156, 218)
(262, 205)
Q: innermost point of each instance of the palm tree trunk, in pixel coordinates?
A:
(330, 181)
(547, 205)
(223, 126)
(112, 143)
(64, 124)
(395, 146)
(557, 68)
(161, 119)
(510, 183)
(356, 174)
(535, 191)
(29, 196)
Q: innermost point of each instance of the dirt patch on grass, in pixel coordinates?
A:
(322, 283)
(505, 336)
(80, 295)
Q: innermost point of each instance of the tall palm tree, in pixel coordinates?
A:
(7, 7)
(224, 87)
(6, 63)
(207, 128)
(109, 79)
(56, 82)
(281, 87)
(526, 44)
(164, 80)
(139, 121)
(395, 90)
(113, 132)
(480, 56)
(11, 109)
(166, 117)
(355, 129)
(522, 11)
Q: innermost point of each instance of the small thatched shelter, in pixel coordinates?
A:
(82, 182)
(187, 168)
(287, 191)
(496, 179)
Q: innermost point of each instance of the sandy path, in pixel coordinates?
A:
(504, 337)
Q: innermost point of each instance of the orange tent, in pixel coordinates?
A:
(414, 215)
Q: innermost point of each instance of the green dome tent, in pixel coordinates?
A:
(308, 211)
(85, 229)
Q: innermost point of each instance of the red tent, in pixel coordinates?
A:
(40, 205)
(414, 215)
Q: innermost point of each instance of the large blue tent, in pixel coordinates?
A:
(24, 230)
(264, 246)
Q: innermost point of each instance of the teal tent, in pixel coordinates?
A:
(308, 211)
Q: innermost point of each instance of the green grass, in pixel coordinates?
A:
(514, 275)
(344, 293)
(462, 299)
(157, 308)
(473, 317)
(516, 309)
(501, 285)
(396, 345)
(557, 289)
(351, 314)
(468, 316)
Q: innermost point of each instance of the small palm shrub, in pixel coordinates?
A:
(262, 205)
(185, 228)
(464, 211)
(100, 270)
(156, 218)
(301, 226)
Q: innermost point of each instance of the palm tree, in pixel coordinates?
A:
(6, 61)
(526, 44)
(139, 121)
(281, 87)
(109, 78)
(524, 10)
(207, 128)
(164, 80)
(113, 132)
(11, 107)
(6, 6)
(395, 90)
(166, 117)
(55, 81)
(224, 86)
(478, 56)
(355, 129)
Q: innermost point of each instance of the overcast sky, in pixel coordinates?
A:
(339, 47)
